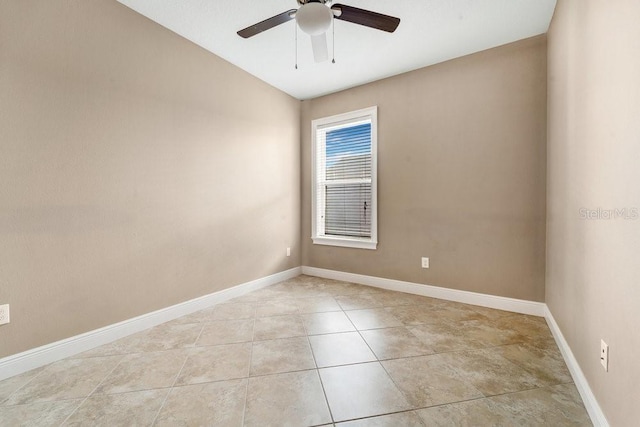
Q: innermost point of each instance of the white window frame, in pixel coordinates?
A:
(317, 224)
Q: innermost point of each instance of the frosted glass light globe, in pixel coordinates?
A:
(314, 18)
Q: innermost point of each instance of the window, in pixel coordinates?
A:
(344, 180)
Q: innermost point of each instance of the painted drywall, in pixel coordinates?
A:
(593, 272)
(137, 170)
(461, 174)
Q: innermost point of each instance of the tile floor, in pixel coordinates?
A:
(311, 352)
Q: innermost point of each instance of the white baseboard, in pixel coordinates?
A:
(501, 303)
(593, 408)
(40, 356)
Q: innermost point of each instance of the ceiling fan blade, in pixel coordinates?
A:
(319, 47)
(267, 24)
(365, 17)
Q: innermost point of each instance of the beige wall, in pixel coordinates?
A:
(593, 266)
(461, 173)
(137, 170)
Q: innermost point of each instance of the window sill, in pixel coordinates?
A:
(345, 242)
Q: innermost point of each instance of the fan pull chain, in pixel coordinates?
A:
(333, 40)
(296, 38)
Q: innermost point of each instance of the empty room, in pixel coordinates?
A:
(317, 213)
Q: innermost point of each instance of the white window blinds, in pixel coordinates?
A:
(347, 184)
(344, 178)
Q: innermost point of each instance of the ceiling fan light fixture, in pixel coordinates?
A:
(314, 18)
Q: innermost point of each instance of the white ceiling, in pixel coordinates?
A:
(430, 31)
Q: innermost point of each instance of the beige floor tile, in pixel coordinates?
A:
(395, 299)
(270, 400)
(317, 305)
(400, 419)
(445, 336)
(270, 328)
(37, 414)
(428, 381)
(138, 408)
(211, 404)
(472, 413)
(66, 379)
(489, 372)
(544, 362)
(308, 291)
(215, 363)
(393, 343)
(373, 318)
(412, 314)
(226, 332)
(10, 385)
(302, 290)
(277, 307)
(529, 328)
(225, 311)
(453, 311)
(485, 331)
(318, 286)
(281, 355)
(170, 336)
(558, 405)
(362, 390)
(144, 371)
(340, 349)
(327, 323)
(232, 311)
(358, 302)
(260, 295)
(337, 288)
(374, 290)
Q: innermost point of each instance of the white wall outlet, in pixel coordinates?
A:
(425, 262)
(4, 314)
(604, 355)
(288, 251)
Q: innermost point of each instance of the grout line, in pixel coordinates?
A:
(246, 391)
(381, 415)
(2, 402)
(324, 392)
(164, 401)
(195, 343)
(379, 361)
(515, 392)
(94, 389)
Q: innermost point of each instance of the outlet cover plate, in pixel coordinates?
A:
(425, 262)
(4, 314)
(604, 355)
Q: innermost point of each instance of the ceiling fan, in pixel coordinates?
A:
(314, 17)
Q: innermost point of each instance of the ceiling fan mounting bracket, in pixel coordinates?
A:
(303, 2)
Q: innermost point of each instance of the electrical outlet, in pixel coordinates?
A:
(425, 262)
(288, 251)
(604, 355)
(4, 314)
